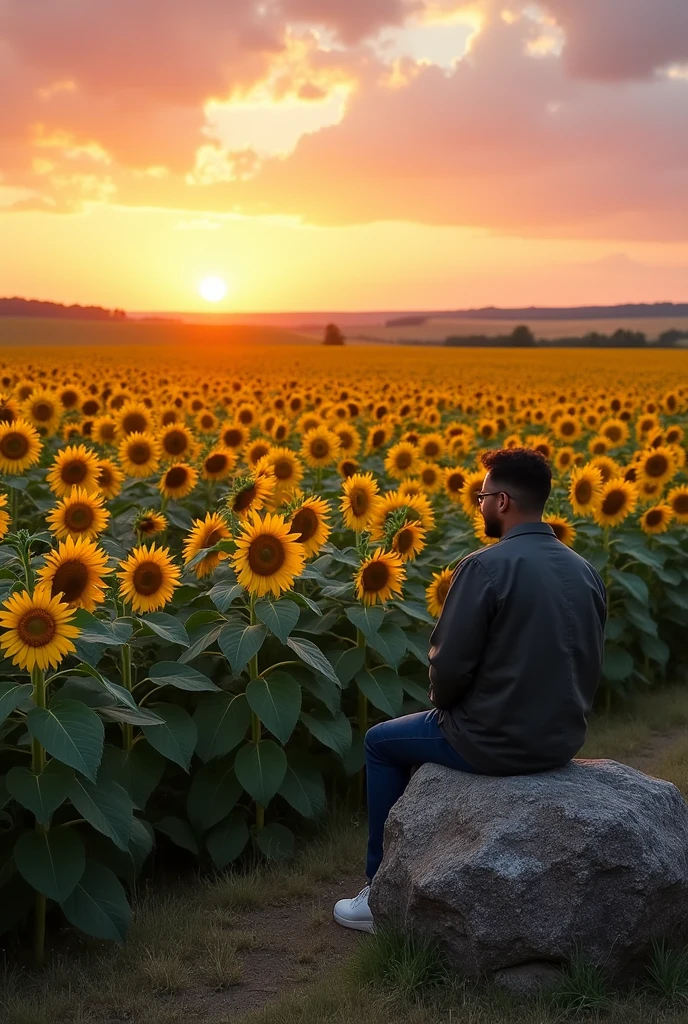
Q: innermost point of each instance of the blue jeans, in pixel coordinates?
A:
(392, 749)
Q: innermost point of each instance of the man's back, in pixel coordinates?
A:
(515, 657)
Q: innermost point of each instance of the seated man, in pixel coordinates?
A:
(515, 658)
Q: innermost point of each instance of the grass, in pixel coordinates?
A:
(190, 948)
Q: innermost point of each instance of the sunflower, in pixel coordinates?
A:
(74, 572)
(348, 468)
(657, 464)
(359, 498)
(268, 557)
(432, 446)
(218, 464)
(585, 488)
(617, 500)
(409, 487)
(564, 458)
(256, 450)
(247, 414)
(349, 438)
(436, 593)
(177, 443)
(656, 519)
(677, 499)
(5, 518)
(310, 523)
(454, 479)
(74, 466)
(9, 409)
(205, 533)
(148, 523)
(234, 436)
(39, 633)
(139, 454)
(568, 428)
(377, 437)
(250, 492)
(409, 541)
(20, 446)
(104, 430)
(133, 418)
(608, 467)
(646, 425)
(206, 421)
(473, 484)
(286, 467)
(149, 578)
(430, 476)
(674, 434)
(79, 514)
(43, 411)
(419, 510)
(320, 447)
(178, 481)
(564, 530)
(615, 430)
(110, 478)
(380, 577)
(401, 460)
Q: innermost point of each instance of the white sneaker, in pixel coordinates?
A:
(355, 913)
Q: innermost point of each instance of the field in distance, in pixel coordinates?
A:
(436, 330)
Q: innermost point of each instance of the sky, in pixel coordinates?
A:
(344, 154)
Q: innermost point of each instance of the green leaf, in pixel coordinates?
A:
(614, 627)
(260, 768)
(417, 645)
(277, 702)
(239, 643)
(306, 602)
(183, 677)
(137, 716)
(167, 627)
(221, 721)
(347, 663)
(327, 692)
(678, 597)
(200, 640)
(276, 841)
(227, 840)
(416, 610)
(213, 793)
(176, 738)
(97, 631)
(354, 758)
(383, 689)
(137, 770)
(598, 558)
(98, 904)
(633, 584)
(639, 617)
(303, 787)
(655, 649)
(618, 664)
(11, 696)
(179, 832)
(313, 657)
(367, 618)
(105, 805)
(279, 616)
(202, 618)
(334, 731)
(41, 794)
(52, 862)
(390, 643)
(416, 691)
(223, 594)
(71, 732)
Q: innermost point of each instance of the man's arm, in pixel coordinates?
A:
(458, 639)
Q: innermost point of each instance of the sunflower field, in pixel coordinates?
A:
(217, 572)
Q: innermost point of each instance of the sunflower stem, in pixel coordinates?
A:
(255, 720)
(362, 713)
(14, 508)
(128, 728)
(37, 765)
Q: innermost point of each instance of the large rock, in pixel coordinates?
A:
(523, 869)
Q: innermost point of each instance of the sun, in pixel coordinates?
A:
(212, 289)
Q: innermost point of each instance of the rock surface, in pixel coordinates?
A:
(504, 871)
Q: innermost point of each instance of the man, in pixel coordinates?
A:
(515, 658)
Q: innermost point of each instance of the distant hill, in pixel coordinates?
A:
(57, 310)
(626, 311)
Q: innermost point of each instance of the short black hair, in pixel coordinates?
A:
(521, 472)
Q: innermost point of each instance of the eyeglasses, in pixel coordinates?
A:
(481, 495)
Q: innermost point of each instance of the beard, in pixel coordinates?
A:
(493, 527)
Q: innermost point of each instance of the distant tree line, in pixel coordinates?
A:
(57, 310)
(523, 337)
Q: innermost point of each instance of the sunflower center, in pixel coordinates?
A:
(70, 579)
(455, 482)
(78, 517)
(346, 439)
(442, 591)
(404, 540)
(232, 437)
(680, 504)
(107, 431)
(583, 492)
(14, 445)
(280, 432)
(207, 421)
(258, 451)
(656, 465)
(375, 577)
(266, 554)
(613, 433)
(37, 627)
(360, 502)
(43, 412)
(304, 522)
(147, 526)
(147, 578)
(244, 498)
(245, 417)
(176, 477)
(69, 399)
(214, 536)
(429, 476)
(404, 460)
(74, 472)
(378, 438)
(139, 453)
(175, 442)
(104, 477)
(319, 448)
(568, 428)
(613, 502)
(654, 517)
(90, 407)
(283, 469)
(432, 449)
(216, 463)
(134, 422)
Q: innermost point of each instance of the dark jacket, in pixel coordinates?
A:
(516, 655)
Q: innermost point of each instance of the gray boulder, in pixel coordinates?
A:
(519, 871)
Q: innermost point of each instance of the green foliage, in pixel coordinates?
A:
(667, 973)
(399, 960)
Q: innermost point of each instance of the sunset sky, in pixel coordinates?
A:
(344, 154)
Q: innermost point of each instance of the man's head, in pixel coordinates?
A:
(515, 489)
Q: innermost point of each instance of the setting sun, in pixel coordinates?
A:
(212, 289)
